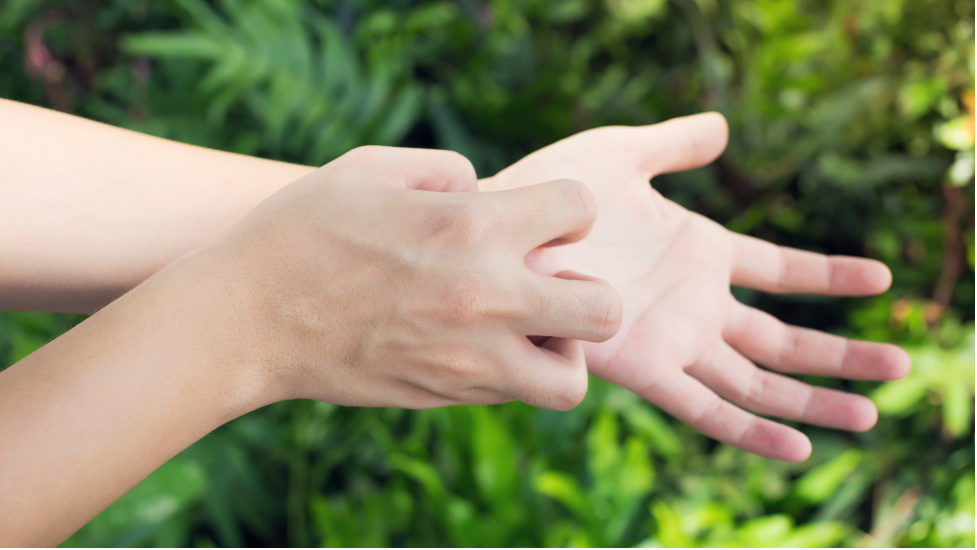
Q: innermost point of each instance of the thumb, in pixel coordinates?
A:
(680, 143)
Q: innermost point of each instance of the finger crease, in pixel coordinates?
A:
(757, 388)
(782, 269)
(845, 350)
(711, 409)
(788, 347)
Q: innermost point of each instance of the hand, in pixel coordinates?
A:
(350, 286)
(685, 343)
(358, 290)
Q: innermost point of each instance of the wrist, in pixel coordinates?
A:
(205, 317)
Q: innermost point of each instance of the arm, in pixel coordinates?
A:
(340, 287)
(89, 211)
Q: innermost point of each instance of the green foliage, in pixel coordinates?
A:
(945, 375)
(309, 92)
(851, 132)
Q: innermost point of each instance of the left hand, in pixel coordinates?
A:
(685, 343)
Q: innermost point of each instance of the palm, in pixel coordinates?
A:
(683, 340)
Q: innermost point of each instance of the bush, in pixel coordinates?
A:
(851, 132)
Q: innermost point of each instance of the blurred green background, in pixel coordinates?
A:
(852, 131)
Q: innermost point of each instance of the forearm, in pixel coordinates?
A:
(91, 414)
(89, 211)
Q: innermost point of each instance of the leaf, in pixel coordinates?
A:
(15, 11)
(567, 11)
(494, 455)
(636, 12)
(23, 344)
(916, 98)
(853, 173)
(647, 421)
(564, 489)
(766, 531)
(898, 397)
(957, 408)
(821, 482)
(450, 131)
(603, 451)
(822, 534)
(400, 117)
(957, 134)
(423, 473)
(433, 16)
(636, 474)
(670, 532)
(192, 45)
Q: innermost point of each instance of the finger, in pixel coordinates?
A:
(739, 381)
(418, 169)
(777, 269)
(680, 143)
(775, 345)
(693, 403)
(569, 305)
(550, 214)
(550, 376)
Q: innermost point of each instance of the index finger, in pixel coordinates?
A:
(548, 214)
(765, 266)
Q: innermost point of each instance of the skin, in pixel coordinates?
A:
(686, 344)
(119, 206)
(348, 286)
(89, 211)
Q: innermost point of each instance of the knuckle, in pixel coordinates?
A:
(462, 365)
(458, 164)
(364, 154)
(467, 300)
(471, 225)
(454, 372)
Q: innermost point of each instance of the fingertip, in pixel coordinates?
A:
(853, 276)
(876, 361)
(900, 362)
(795, 447)
(681, 143)
(715, 124)
(710, 135)
(864, 415)
(801, 450)
(777, 441)
(882, 276)
(875, 277)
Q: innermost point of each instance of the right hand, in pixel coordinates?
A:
(350, 286)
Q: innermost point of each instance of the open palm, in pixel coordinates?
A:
(686, 344)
